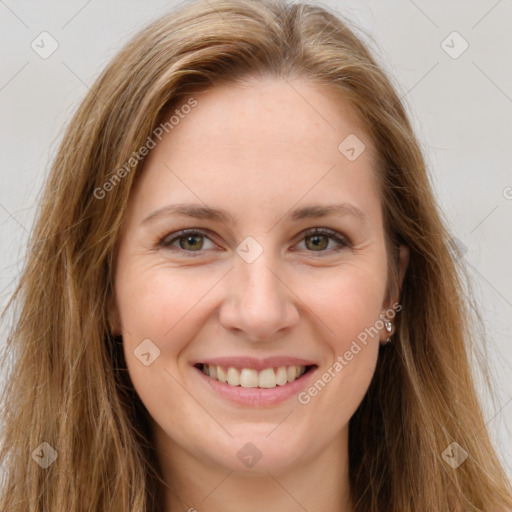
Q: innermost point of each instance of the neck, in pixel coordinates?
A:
(320, 483)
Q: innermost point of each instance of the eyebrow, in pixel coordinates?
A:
(205, 212)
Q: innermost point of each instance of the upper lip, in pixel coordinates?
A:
(255, 363)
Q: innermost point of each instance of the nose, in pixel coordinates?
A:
(258, 303)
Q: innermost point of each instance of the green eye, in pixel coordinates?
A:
(193, 241)
(319, 239)
(188, 241)
(317, 242)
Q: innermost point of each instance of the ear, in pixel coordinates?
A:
(113, 316)
(403, 262)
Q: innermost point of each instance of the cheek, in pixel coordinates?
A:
(160, 312)
(349, 303)
(164, 305)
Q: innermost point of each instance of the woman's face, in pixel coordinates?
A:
(251, 294)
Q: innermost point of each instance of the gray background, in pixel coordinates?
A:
(461, 109)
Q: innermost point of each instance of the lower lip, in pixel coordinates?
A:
(257, 397)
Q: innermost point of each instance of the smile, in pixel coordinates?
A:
(251, 378)
(255, 382)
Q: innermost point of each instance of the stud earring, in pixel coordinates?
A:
(389, 330)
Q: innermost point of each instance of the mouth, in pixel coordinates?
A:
(266, 378)
(255, 382)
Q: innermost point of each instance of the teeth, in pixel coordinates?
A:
(221, 374)
(233, 377)
(249, 378)
(267, 378)
(281, 376)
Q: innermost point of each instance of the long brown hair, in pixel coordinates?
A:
(67, 383)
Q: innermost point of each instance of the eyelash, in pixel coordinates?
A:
(166, 241)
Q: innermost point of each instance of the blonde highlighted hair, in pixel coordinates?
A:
(67, 383)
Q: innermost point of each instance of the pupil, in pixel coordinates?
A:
(190, 241)
(317, 241)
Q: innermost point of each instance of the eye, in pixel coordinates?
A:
(317, 239)
(188, 240)
(193, 240)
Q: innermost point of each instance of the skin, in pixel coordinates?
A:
(257, 150)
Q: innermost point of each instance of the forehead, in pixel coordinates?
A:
(261, 147)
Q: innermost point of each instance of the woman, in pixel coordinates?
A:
(240, 294)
